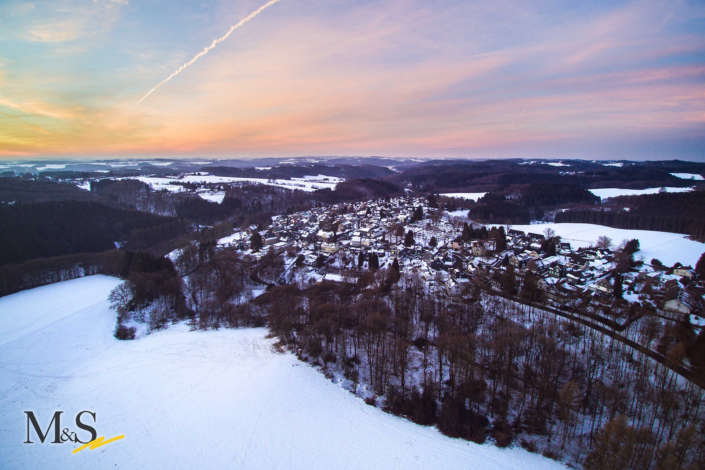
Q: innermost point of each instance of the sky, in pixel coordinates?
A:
(396, 78)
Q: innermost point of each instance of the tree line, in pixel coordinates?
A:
(479, 367)
(44, 230)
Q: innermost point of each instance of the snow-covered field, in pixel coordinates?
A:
(614, 192)
(307, 183)
(193, 399)
(670, 248)
(473, 196)
(51, 166)
(689, 176)
(217, 196)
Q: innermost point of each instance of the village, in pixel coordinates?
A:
(449, 253)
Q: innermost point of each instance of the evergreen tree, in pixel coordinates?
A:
(433, 242)
(256, 243)
(700, 266)
(409, 239)
(632, 246)
(320, 261)
(374, 262)
(618, 289)
(432, 201)
(467, 233)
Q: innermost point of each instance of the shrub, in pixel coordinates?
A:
(124, 333)
(503, 433)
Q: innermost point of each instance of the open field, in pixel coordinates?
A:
(194, 399)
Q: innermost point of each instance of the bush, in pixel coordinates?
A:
(124, 333)
(422, 406)
(455, 420)
(529, 445)
(503, 433)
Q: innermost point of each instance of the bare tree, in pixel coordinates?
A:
(604, 242)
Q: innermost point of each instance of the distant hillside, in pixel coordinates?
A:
(42, 230)
(666, 212)
(357, 189)
(550, 194)
(497, 209)
(299, 171)
(21, 190)
(484, 176)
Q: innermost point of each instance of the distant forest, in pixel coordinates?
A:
(299, 171)
(483, 176)
(357, 189)
(50, 229)
(666, 212)
(497, 209)
(553, 194)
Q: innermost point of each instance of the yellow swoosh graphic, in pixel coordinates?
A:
(94, 444)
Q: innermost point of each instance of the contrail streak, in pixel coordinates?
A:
(213, 44)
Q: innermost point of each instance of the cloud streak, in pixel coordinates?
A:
(213, 44)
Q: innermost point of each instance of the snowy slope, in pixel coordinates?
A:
(667, 247)
(689, 176)
(605, 193)
(215, 399)
(217, 196)
(307, 183)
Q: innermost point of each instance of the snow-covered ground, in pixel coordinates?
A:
(462, 213)
(473, 196)
(689, 176)
(307, 183)
(614, 192)
(670, 248)
(217, 196)
(194, 399)
(235, 237)
(52, 166)
(555, 163)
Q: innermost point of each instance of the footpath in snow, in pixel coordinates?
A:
(194, 399)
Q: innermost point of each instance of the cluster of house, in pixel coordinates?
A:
(328, 230)
(585, 278)
(437, 254)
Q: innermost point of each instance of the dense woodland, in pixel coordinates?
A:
(481, 367)
(242, 203)
(43, 230)
(515, 204)
(498, 209)
(299, 171)
(357, 190)
(15, 190)
(481, 176)
(42, 271)
(666, 212)
(553, 194)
